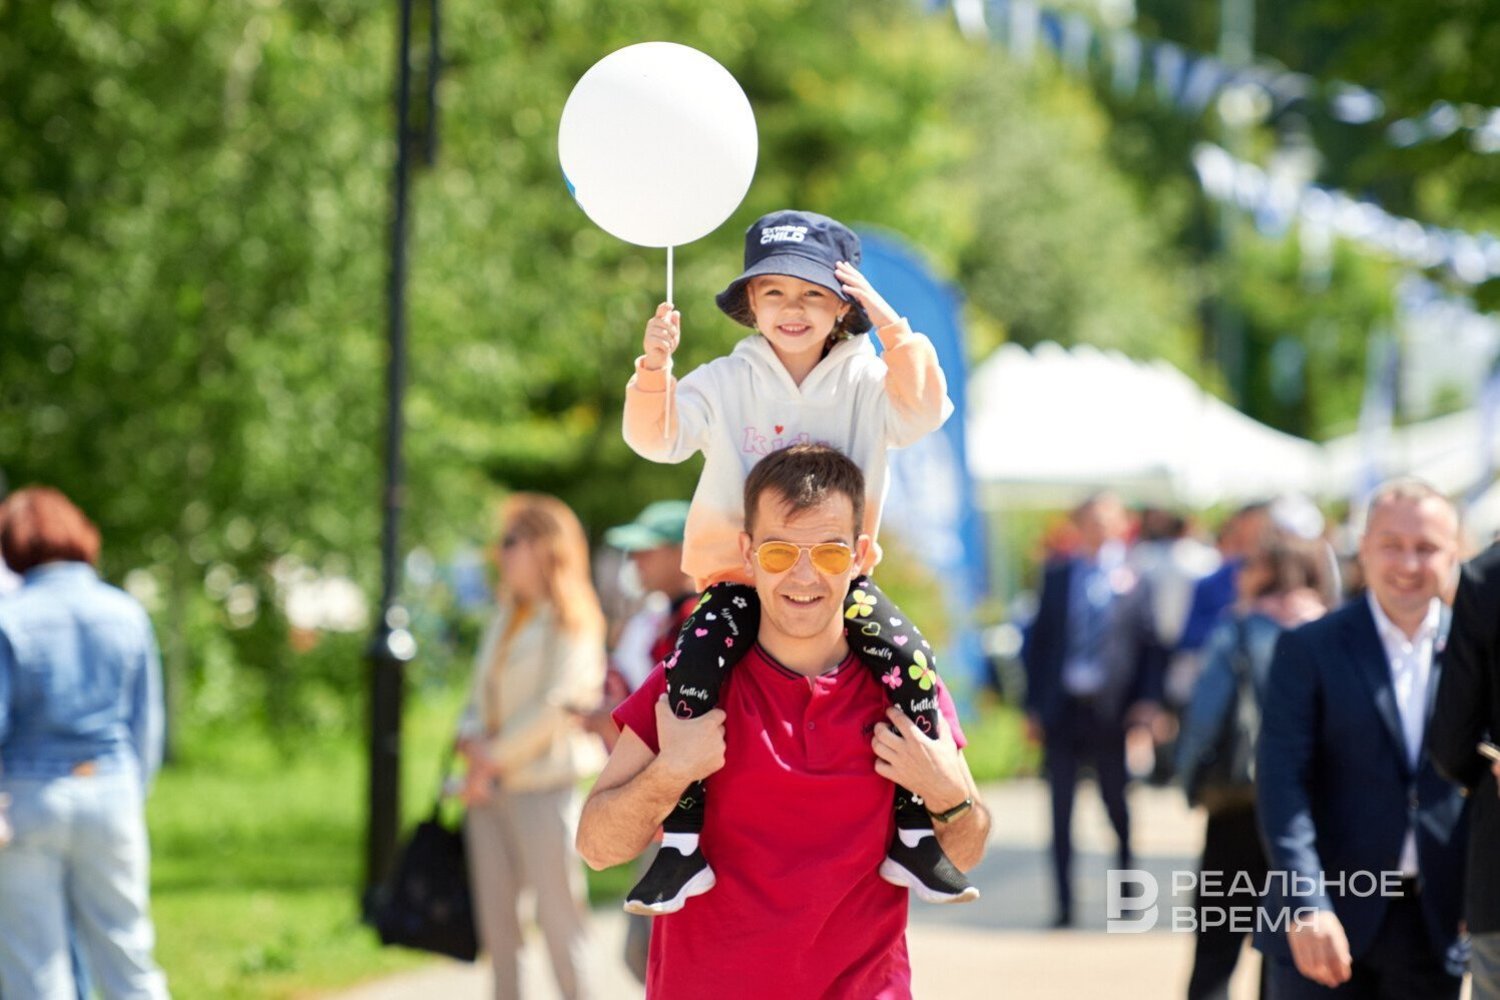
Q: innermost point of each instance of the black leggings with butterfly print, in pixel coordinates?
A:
(723, 627)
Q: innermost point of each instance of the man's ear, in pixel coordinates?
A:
(862, 546)
(747, 552)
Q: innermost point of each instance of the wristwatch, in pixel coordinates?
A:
(949, 815)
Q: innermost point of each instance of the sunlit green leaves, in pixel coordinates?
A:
(193, 263)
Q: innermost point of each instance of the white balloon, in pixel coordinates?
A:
(658, 144)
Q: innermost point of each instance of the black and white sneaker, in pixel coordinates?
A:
(926, 871)
(672, 880)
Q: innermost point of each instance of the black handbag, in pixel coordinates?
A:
(429, 906)
(1226, 781)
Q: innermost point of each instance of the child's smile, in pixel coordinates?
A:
(796, 316)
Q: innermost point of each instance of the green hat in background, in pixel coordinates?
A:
(661, 523)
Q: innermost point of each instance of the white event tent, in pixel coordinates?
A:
(1048, 424)
(1445, 451)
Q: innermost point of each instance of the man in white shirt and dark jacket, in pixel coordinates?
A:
(1367, 836)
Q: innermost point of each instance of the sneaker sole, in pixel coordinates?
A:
(897, 875)
(695, 886)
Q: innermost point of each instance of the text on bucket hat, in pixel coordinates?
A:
(802, 245)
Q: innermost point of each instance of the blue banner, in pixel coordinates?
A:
(931, 505)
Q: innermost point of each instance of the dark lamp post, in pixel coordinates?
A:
(392, 645)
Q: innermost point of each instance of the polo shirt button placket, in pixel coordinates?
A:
(816, 750)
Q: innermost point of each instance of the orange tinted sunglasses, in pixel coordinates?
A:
(832, 558)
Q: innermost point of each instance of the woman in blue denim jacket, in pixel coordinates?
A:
(80, 741)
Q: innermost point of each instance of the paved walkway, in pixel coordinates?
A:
(998, 947)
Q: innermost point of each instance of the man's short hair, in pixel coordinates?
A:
(1408, 488)
(805, 476)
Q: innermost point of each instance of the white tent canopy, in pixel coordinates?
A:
(1048, 423)
(1445, 451)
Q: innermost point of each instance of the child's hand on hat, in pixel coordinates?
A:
(663, 333)
(858, 287)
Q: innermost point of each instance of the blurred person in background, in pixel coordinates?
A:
(1367, 836)
(1467, 711)
(81, 720)
(1079, 689)
(653, 541)
(10, 582)
(1214, 595)
(1168, 563)
(1281, 586)
(1172, 562)
(539, 666)
(1238, 537)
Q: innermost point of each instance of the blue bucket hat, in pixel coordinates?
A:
(802, 245)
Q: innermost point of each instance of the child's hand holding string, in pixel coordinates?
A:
(663, 333)
(858, 288)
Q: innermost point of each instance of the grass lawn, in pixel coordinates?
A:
(257, 859)
(997, 749)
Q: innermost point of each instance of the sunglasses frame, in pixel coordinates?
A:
(810, 550)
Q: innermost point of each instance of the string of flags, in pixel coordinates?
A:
(1278, 200)
(1192, 81)
(1282, 197)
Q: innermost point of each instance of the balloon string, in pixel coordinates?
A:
(666, 422)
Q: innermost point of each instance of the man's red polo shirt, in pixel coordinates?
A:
(797, 825)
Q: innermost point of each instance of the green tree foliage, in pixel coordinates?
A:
(193, 262)
(1305, 351)
(1065, 247)
(190, 304)
(1413, 54)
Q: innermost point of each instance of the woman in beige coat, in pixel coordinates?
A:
(540, 663)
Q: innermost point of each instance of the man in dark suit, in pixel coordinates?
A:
(1467, 711)
(1364, 835)
(1082, 676)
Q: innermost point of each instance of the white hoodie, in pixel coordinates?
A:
(740, 408)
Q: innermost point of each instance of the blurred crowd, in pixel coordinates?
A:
(1151, 585)
(1290, 677)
